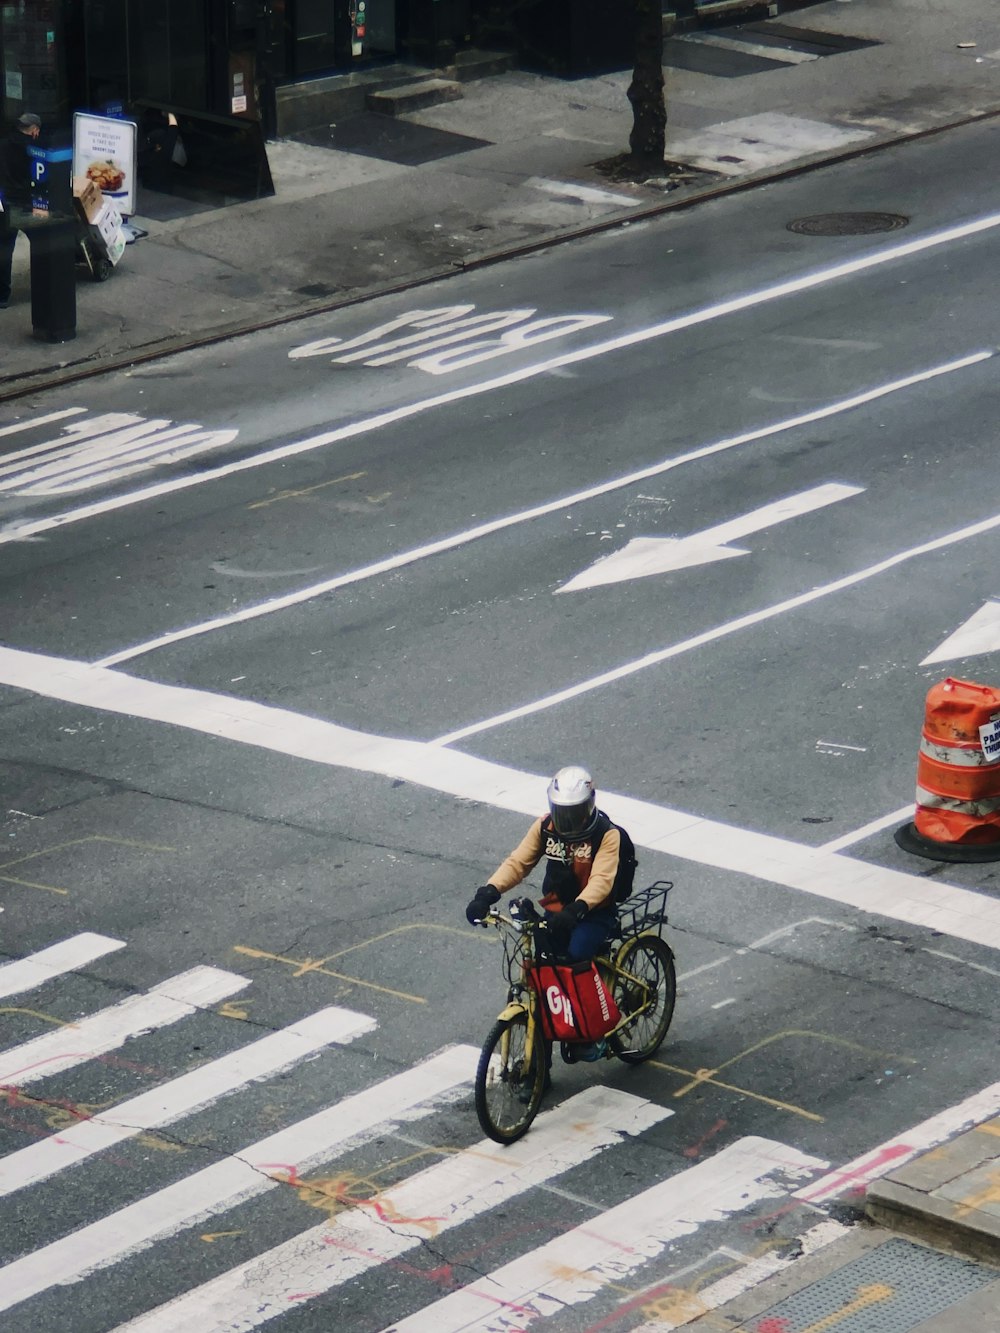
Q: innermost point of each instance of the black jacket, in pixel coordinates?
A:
(15, 170)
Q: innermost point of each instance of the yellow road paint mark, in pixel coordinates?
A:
(872, 1294)
(678, 1306)
(33, 884)
(707, 1076)
(64, 846)
(160, 1144)
(990, 1193)
(377, 499)
(211, 1236)
(391, 934)
(307, 490)
(704, 1075)
(233, 1010)
(303, 967)
(991, 1127)
(37, 1013)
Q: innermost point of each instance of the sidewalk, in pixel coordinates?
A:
(925, 1260)
(346, 224)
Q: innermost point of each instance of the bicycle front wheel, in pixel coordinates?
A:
(510, 1080)
(649, 991)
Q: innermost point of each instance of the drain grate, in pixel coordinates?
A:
(848, 224)
(893, 1289)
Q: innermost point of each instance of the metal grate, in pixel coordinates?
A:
(891, 1289)
(847, 224)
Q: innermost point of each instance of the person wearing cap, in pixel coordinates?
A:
(15, 191)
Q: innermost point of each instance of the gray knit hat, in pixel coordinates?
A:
(28, 119)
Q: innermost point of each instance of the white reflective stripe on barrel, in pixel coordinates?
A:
(964, 756)
(931, 801)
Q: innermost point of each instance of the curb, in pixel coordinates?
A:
(939, 1223)
(30, 381)
(948, 1196)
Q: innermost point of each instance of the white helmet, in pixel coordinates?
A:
(573, 802)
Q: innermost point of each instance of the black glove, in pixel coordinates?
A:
(485, 897)
(561, 924)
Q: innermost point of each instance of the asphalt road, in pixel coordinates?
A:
(335, 661)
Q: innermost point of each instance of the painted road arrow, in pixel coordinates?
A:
(979, 634)
(644, 556)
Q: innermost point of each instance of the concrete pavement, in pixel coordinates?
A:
(513, 164)
(924, 1257)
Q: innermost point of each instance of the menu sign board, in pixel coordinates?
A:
(104, 151)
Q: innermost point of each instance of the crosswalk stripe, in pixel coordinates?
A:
(574, 1267)
(171, 1000)
(67, 956)
(31, 423)
(273, 1161)
(443, 1196)
(182, 1096)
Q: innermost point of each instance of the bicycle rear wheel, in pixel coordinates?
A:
(509, 1081)
(650, 961)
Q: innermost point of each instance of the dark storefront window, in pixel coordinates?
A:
(330, 36)
(31, 44)
(140, 51)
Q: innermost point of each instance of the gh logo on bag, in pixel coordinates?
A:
(559, 1006)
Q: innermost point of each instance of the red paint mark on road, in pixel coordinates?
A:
(774, 1325)
(695, 1148)
(858, 1176)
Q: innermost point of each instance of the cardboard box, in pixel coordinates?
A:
(89, 200)
(107, 222)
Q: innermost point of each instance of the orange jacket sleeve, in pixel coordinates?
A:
(521, 861)
(603, 870)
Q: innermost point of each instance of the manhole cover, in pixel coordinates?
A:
(848, 224)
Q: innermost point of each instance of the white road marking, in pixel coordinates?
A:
(411, 1214)
(277, 1160)
(20, 531)
(979, 634)
(103, 449)
(609, 1248)
(751, 1275)
(721, 631)
(857, 884)
(181, 1096)
(31, 423)
(644, 556)
(395, 562)
(448, 338)
(585, 192)
(888, 1156)
(953, 958)
(866, 830)
(167, 1003)
(67, 956)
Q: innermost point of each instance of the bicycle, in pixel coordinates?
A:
(513, 1068)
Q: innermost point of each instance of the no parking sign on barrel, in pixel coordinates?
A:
(958, 775)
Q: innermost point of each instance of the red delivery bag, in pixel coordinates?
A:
(576, 1004)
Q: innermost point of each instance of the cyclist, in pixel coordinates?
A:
(582, 848)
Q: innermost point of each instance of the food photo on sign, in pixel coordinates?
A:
(104, 151)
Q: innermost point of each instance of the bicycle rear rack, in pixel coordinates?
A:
(646, 909)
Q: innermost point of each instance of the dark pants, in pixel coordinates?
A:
(591, 935)
(8, 239)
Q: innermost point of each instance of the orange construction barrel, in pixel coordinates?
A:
(958, 775)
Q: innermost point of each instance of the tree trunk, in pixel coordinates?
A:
(647, 142)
